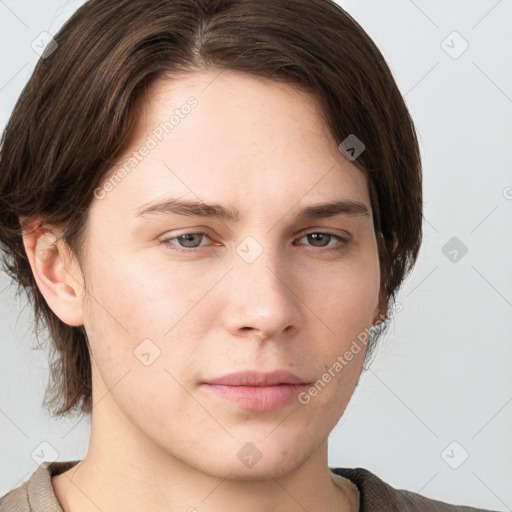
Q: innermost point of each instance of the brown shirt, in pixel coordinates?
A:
(37, 495)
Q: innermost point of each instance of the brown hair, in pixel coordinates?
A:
(75, 116)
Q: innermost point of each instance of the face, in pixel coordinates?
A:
(175, 300)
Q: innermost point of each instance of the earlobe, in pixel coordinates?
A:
(56, 272)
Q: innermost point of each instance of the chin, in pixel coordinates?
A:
(241, 460)
(263, 470)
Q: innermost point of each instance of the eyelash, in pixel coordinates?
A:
(344, 241)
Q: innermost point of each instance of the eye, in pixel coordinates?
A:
(188, 239)
(323, 238)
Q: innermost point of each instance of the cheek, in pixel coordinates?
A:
(142, 321)
(344, 297)
(344, 303)
(127, 298)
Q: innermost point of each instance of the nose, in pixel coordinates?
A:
(263, 299)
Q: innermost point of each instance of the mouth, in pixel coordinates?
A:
(257, 391)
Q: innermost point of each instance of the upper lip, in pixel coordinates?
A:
(257, 378)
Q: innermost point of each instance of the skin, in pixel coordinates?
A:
(263, 148)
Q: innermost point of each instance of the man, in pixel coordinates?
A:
(206, 247)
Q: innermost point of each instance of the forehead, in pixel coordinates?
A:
(246, 139)
(236, 110)
(231, 89)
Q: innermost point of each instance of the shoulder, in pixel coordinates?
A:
(375, 494)
(15, 500)
(36, 493)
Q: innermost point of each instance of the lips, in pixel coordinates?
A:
(256, 378)
(257, 391)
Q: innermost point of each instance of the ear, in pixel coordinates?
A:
(56, 272)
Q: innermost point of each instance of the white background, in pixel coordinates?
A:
(442, 373)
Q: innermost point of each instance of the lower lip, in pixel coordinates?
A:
(258, 398)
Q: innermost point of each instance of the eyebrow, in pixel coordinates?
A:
(190, 208)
